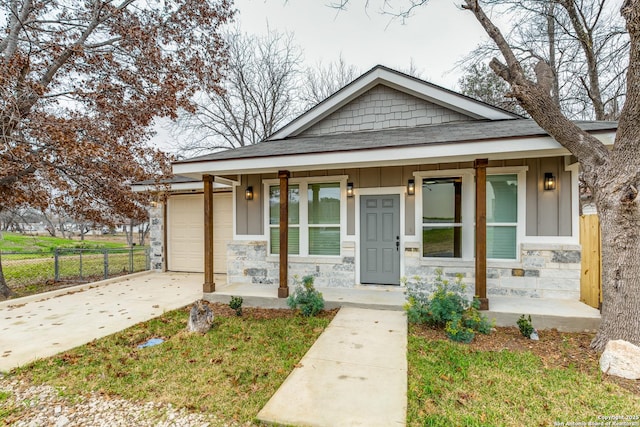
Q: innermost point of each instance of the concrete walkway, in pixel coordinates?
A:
(46, 324)
(354, 375)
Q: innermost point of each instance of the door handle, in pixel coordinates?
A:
(398, 243)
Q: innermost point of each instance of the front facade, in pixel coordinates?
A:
(382, 181)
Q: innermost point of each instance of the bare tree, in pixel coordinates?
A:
(612, 175)
(584, 43)
(322, 81)
(259, 95)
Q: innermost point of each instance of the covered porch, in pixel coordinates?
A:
(564, 315)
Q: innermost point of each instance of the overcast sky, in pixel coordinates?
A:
(435, 37)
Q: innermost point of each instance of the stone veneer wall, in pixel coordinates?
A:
(248, 262)
(544, 271)
(156, 237)
(382, 108)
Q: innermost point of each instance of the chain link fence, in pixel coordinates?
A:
(24, 269)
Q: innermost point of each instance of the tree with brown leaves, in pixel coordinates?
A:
(80, 84)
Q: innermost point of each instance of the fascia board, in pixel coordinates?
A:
(323, 110)
(399, 82)
(182, 186)
(424, 154)
(447, 99)
(499, 149)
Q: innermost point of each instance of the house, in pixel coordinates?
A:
(390, 177)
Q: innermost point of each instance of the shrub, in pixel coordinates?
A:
(445, 307)
(525, 326)
(305, 297)
(236, 304)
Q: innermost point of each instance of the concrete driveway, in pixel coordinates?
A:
(43, 325)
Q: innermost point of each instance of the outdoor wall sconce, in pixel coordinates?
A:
(248, 193)
(411, 187)
(349, 189)
(549, 181)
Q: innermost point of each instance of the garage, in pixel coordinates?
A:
(185, 233)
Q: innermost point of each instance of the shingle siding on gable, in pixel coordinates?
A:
(382, 108)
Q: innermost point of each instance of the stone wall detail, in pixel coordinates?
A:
(543, 271)
(156, 237)
(383, 108)
(248, 262)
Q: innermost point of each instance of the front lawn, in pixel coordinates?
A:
(17, 242)
(230, 372)
(504, 379)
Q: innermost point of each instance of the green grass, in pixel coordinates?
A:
(451, 384)
(15, 242)
(231, 371)
(35, 271)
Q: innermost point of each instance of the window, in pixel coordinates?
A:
(314, 218)
(294, 219)
(324, 219)
(442, 217)
(502, 216)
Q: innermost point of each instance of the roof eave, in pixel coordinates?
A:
(429, 153)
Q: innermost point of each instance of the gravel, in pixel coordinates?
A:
(26, 405)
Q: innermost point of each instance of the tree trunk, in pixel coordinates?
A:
(620, 231)
(129, 232)
(5, 292)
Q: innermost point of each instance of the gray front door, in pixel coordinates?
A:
(380, 239)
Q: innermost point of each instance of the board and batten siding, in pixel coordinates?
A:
(548, 212)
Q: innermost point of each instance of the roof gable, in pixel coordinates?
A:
(415, 87)
(382, 107)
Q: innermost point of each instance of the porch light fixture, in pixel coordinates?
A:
(411, 187)
(549, 181)
(248, 193)
(349, 189)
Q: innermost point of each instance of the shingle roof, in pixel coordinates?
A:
(175, 179)
(400, 137)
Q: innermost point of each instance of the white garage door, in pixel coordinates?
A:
(185, 233)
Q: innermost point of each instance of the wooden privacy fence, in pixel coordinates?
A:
(591, 277)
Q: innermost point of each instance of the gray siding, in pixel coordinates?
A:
(249, 213)
(548, 212)
(382, 108)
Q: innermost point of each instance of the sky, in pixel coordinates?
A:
(434, 38)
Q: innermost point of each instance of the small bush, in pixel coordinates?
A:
(525, 326)
(236, 304)
(305, 297)
(446, 307)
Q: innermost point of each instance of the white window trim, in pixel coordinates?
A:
(379, 191)
(521, 225)
(303, 225)
(468, 205)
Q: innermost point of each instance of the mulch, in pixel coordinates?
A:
(224, 310)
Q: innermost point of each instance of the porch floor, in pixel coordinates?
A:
(564, 315)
